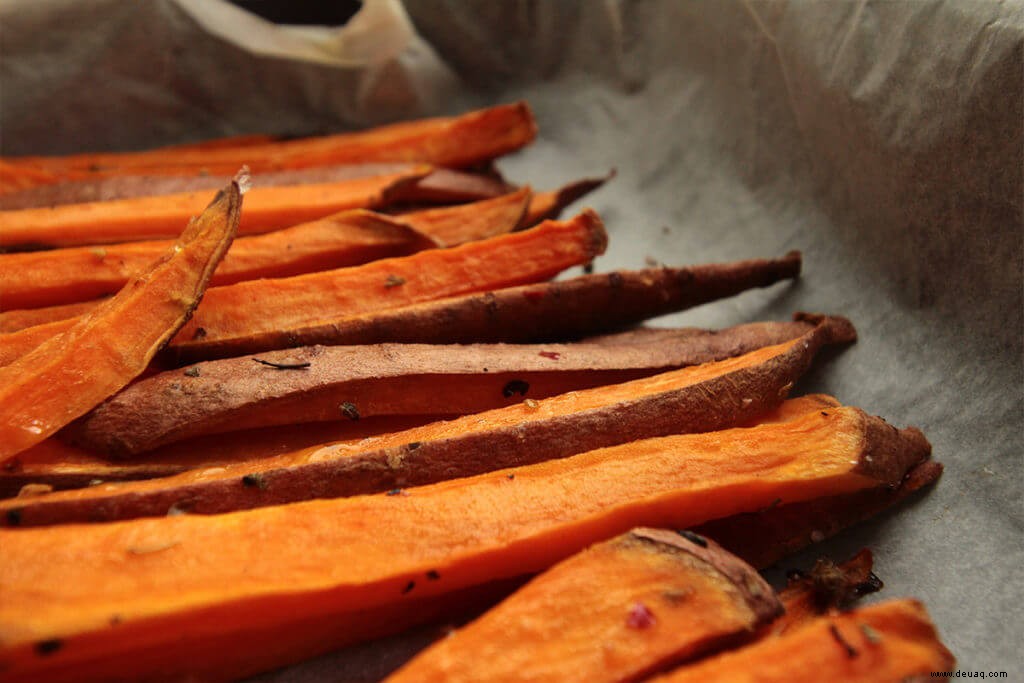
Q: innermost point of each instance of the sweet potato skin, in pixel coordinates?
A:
(702, 398)
(617, 611)
(556, 311)
(252, 391)
(763, 538)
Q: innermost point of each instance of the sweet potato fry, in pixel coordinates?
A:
(389, 379)
(618, 611)
(554, 311)
(456, 142)
(440, 186)
(147, 218)
(17, 320)
(69, 374)
(891, 642)
(549, 205)
(763, 538)
(15, 345)
(454, 225)
(63, 276)
(217, 579)
(702, 398)
(62, 466)
(251, 310)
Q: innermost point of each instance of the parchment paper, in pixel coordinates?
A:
(882, 139)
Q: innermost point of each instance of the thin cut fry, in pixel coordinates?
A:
(148, 218)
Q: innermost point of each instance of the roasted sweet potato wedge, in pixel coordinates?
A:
(554, 311)
(890, 642)
(618, 611)
(328, 383)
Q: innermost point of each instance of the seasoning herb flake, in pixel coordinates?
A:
(283, 366)
(45, 648)
(349, 410)
(254, 480)
(696, 539)
(516, 386)
(851, 651)
(394, 281)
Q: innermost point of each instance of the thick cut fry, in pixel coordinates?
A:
(618, 611)
(554, 311)
(253, 310)
(826, 588)
(146, 218)
(459, 141)
(549, 205)
(454, 225)
(441, 185)
(62, 466)
(763, 538)
(69, 374)
(174, 586)
(63, 276)
(318, 384)
(703, 398)
(891, 642)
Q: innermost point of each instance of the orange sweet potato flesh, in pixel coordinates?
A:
(63, 466)
(322, 384)
(16, 345)
(890, 642)
(251, 310)
(618, 611)
(702, 398)
(148, 218)
(17, 320)
(455, 225)
(103, 351)
(551, 311)
(763, 538)
(458, 141)
(63, 276)
(168, 587)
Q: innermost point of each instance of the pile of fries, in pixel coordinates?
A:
(347, 398)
